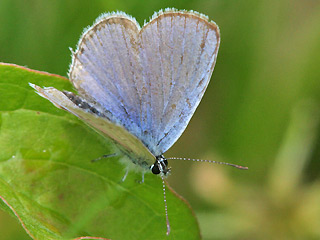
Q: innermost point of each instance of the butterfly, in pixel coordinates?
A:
(138, 86)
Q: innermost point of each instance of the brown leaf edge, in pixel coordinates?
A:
(32, 70)
(17, 215)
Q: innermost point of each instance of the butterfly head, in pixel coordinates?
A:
(160, 166)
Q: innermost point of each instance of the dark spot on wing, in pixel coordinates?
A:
(188, 102)
(83, 104)
(201, 82)
(202, 45)
(144, 90)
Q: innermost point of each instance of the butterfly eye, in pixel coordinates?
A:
(155, 169)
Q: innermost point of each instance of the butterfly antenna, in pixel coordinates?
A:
(165, 205)
(209, 161)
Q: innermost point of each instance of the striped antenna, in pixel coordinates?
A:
(165, 205)
(209, 161)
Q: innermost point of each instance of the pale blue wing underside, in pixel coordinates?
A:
(178, 56)
(150, 81)
(104, 69)
(128, 143)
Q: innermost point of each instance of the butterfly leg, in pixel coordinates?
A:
(142, 179)
(104, 156)
(125, 176)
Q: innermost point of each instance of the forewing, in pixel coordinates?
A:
(178, 54)
(105, 69)
(128, 143)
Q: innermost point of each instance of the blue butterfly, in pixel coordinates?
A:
(140, 86)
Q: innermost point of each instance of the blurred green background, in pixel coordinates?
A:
(261, 109)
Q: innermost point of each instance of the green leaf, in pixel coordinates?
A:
(49, 183)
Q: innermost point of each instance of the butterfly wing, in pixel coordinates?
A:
(178, 54)
(128, 143)
(106, 70)
(150, 81)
